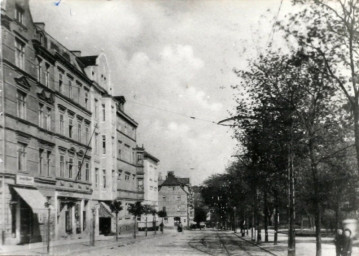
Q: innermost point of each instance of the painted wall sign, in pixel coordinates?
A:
(24, 180)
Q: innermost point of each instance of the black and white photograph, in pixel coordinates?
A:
(179, 127)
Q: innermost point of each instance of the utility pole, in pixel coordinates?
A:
(234, 219)
(47, 205)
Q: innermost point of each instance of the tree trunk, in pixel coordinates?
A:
(155, 224)
(356, 128)
(265, 217)
(314, 170)
(146, 227)
(135, 227)
(116, 226)
(276, 215)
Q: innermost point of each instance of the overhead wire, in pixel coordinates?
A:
(175, 113)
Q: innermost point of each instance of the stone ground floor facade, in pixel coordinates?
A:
(24, 212)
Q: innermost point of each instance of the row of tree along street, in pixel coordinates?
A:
(297, 124)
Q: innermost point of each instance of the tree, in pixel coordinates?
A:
(200, 215)
(116, 207)
(147, 209)
(162, 214)
(136, 210)
(154, 212)
(331, 36)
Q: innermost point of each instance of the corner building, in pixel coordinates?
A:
(62, 136)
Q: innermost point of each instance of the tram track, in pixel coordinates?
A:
(228, 244)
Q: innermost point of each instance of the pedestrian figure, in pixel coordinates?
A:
(347, 243)
(161, 227)
(339, 239)
(179, 227)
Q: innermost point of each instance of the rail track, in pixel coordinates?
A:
(228, 244)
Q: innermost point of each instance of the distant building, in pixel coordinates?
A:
(175, 197)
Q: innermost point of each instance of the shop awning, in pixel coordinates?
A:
(104, 211)
(33, 198)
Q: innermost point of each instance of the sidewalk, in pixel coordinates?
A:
(67, 247)
(305, 246)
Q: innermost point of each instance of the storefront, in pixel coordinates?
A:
(29, 214)
(73, 215)
(105, 219)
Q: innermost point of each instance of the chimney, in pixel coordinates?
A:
(40, 25)
(170, 174)
(76, 53)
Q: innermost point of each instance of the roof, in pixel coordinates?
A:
(88, 60)
(171, 180)
(148, 155)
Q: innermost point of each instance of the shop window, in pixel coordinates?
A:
(68, 221)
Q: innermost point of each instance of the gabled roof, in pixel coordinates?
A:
(172, 180)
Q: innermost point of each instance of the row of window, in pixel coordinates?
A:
(104, 183)
(81, 132)
(69, 169)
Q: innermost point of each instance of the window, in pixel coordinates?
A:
(86, 99)
(79, 134)
(119, 173)
(103, 144)
(113, 181)
(103, 112)
(70, 128)
(38, 69)
(70, 88)
(68, 221)
(21, 157)
(87, 172)
(96, 108)
(78, 85)
(163, 198)
(104, 178)
(47, 75)
(62, 165)
(19, 15)
(79, 176)
(96, 177)
(48, 163)
(127, 177)
(48, 119)
(86, 134)
(178, 198)
(62, 124)
(21, 104)
(41, 115)
(61, 82)
(19, 54)
(96, 144)
(70, 167)
(41, 162)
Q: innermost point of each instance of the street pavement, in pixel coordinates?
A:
(197, 242)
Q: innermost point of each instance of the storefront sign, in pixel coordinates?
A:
(24, 180)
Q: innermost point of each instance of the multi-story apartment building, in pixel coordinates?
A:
(148, 176)
(65, 140)
(175, 197)
(47, 123)
(126, 156)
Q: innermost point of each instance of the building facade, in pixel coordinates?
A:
(67, 146)
(175, 197)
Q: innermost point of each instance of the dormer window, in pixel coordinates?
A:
(19, 15)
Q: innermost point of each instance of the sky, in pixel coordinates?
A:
(172, 60)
